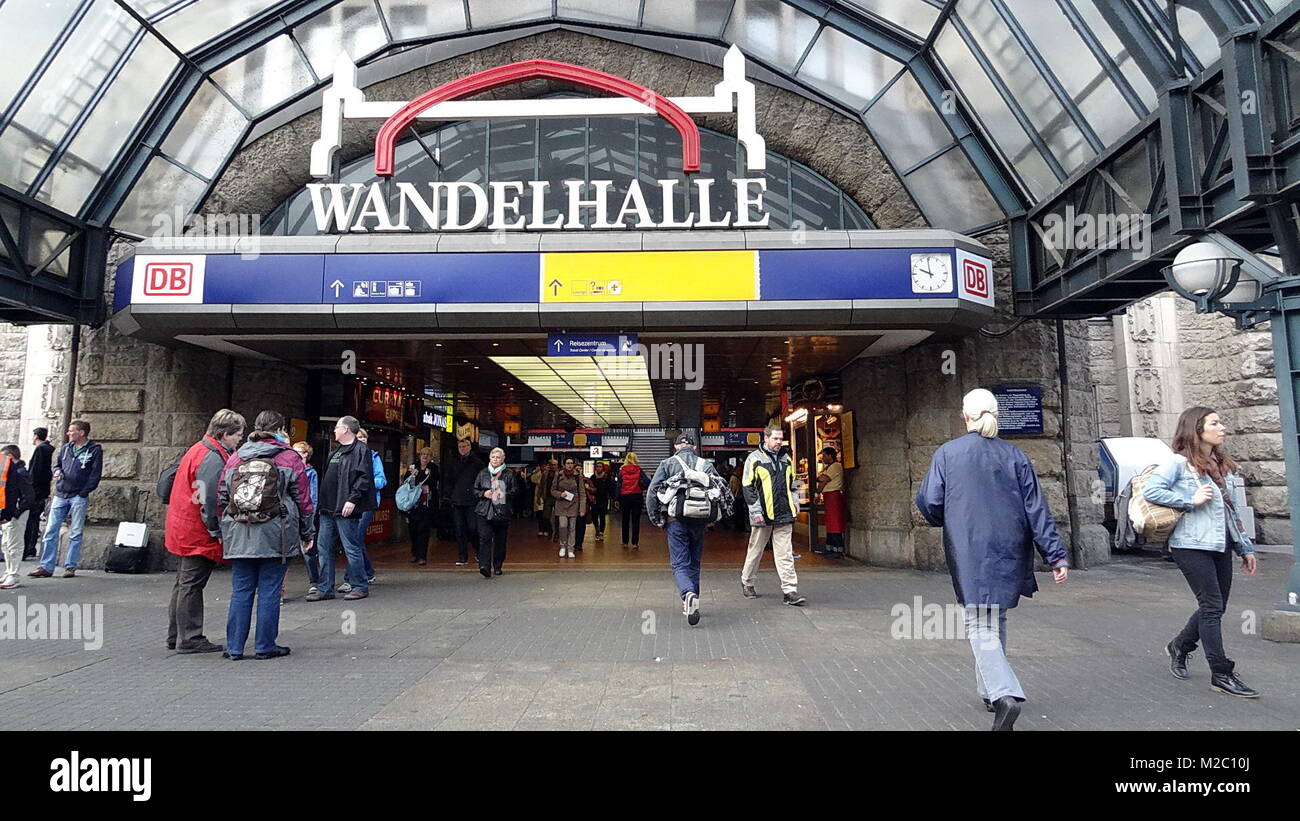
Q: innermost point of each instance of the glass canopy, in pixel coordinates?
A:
(115, 111)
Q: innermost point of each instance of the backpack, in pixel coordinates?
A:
(163, 489)
(692, 499)
(255, 492)
(1155, 522)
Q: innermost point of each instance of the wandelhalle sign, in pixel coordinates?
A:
(500, 206)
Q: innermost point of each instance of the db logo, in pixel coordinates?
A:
(975, 276)
(168, 279)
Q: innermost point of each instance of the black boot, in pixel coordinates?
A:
(1005, 712)
(1177, 660)
(1231, 685)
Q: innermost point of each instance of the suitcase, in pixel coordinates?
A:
(130, 550)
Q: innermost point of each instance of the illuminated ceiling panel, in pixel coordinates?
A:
(596, 391)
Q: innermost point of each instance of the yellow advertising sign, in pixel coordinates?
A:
(649, 276)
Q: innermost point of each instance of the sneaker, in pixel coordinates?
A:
(10, 581)
(279, 652)
(39, 573)
(691, 607)
(371, 580)
(313, 590)
(461, 564)
(232, 656)
(496, 572)
(356, 594)
(749, 591)
(69, 572)
(562, 553)
(793, 598)
(343, 588)
(317, 597)
(796, 555)
(570, 554)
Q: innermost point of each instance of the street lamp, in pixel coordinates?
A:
(1210, 274)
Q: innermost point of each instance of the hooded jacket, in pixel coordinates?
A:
(80, 469)
(193, 522)
(284, 535)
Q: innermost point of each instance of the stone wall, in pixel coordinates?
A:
(13, 364)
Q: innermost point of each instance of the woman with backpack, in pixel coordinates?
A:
(420, 517)
(496, 487)
(1197, 481)
(265, 499)
(632, 483)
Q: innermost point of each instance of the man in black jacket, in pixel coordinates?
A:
(41, 469)
(458, 488)
(346, 491)
(18, 499)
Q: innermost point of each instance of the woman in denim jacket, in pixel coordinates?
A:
(1195, 481)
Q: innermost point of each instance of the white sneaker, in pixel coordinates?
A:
(371, 580)
(692, 609)
(570, 554)
(10, 580)
(312, 589)
(343, 588)
(562, 553)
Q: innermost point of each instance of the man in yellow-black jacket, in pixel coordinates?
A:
(773, 503)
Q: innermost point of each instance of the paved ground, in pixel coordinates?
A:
(575, 650)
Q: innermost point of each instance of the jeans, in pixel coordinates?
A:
(59, 510)
(685, 548)
(333, 530)
(466, 530)
(365, 553)
(185, 612)
(598, 519)
(630, 505)
(491, 543)
(264, 578)
(994, 677)
(33, 533)
(565, 531)
(1209, 574)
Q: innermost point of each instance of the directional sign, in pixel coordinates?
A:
(650, 276)
(591, 344)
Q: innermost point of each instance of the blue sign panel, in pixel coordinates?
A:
(417, 278)
(567, 344)
(843, 273)
(1020, 409)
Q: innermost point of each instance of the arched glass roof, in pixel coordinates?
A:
(114, 110)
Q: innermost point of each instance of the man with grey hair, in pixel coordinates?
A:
(346, 491)
(773, 502)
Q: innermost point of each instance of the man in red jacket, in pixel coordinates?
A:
(193, 531)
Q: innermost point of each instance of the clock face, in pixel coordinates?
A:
(931, 273)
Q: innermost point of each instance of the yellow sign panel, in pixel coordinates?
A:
(649, 276)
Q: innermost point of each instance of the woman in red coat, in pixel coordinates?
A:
(631, 497)
(193, 532)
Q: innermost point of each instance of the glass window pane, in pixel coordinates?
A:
(983, 98)
(1078, 71)
(409, 19)
(45, 237)
(78, 72)
(485, 13)
(602, 11)
(701, 17)
(108, 126)
(351, 26)
(148, 8)
(1115, 48)
(206, 132)
(161, 189)
(1026, 85)
(40, 21)
(1197, 35)
(266, 77)
(199, 22)
(951, 194)
(917, 16)
(850, 71)
(815, 204)
(905, 124)
(772, 31)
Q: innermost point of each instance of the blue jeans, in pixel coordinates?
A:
(59, 508)
(365, 554)
(994, 677)
(685, 547)
(247, 577)
(333, 530)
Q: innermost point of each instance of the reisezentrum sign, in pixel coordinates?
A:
(500, 206)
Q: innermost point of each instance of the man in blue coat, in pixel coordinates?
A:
(984, 493)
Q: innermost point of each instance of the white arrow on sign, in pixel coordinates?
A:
(559, 344)
(336, 285)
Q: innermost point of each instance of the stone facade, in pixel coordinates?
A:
(13, 364)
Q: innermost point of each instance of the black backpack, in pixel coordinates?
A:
(168, 476)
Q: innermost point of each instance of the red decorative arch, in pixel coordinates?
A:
(528, 70)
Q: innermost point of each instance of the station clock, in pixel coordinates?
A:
(931, 273)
